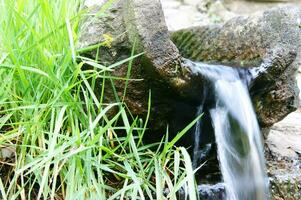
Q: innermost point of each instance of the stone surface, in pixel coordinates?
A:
(90, 3)
(243, 7)
(248, 41)
(283, 155)
(188, 13)
(299, 81)
(240, 40)
(285, 137)
(283, 141)
(244, 41)
(212, 192)
(207, 192)
(181, 14)
(159, 69)
(145, 25)
(7, 152)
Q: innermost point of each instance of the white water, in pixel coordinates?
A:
(197, 135)
(238, 137)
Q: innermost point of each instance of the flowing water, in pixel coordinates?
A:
(237, 133)
(197, 135)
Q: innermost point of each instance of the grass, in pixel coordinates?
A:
(64, 145)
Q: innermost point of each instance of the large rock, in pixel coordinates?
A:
(271, 38)
(284, 157)
(247, 7)
(159, 69)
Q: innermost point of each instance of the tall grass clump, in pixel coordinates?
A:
(57, 140)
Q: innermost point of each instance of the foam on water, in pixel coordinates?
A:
(237, 133)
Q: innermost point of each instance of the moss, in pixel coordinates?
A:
(286, 189)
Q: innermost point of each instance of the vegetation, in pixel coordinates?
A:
(63, 142)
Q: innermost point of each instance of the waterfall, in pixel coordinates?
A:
(238, 138)
(197, 135)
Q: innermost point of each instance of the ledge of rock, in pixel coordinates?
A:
(247, 41)
(266, 43)
(269, 40)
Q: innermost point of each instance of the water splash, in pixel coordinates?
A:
(237, 133)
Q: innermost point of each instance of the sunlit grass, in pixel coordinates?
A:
(64, 145)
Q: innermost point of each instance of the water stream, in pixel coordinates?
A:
(237, 133)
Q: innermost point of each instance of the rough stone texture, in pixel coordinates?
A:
(250, 40)
(299, 81)
(145, 23)
(271, 38)
(242, 7)
(181, 14)
(208, 192)
(158, 69)
(283, 141)
(189, 13)
(242, 40)
(95, 26)
(284, 157)
(212, 192)
(285, 137)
